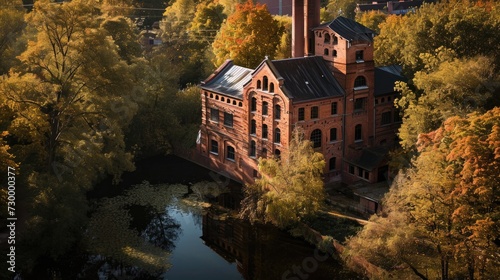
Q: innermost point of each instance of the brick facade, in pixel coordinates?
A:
(335, 97)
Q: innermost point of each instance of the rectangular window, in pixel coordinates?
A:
(351, 169)
(214, 147)
(386, 118)
(358, 133)
(230, 153)
(333, 134)
(264, 108)
(314, 112)
(332, 163)
(264, 131)
(301, 114)
(359, 103)
(360, 172)
(359, 56)
(334, 108)
(214, 114)
(228, 119)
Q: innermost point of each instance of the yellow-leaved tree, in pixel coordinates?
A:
(290, 188)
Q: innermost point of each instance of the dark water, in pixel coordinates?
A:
(205, 244)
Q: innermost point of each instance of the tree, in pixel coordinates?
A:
(371, 19)
(336, 8)
(284, 49)
(11, 26)
(441, 218)
(247, 36)
(207, 21)
(457, 24)
(448, 86)
(69, 100)
(290, 189)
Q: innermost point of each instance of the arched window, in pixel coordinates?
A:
(253, 104)
(335, 40)
(334, 53)
(264, 131)
(316, 138)
(277, 153)
(358, 133)
(264, 108)
(265, 83)
(326, 52)
(360, 82)
(253, 127)
(259, 84)
(271, 87)
(277, 112)
(277, 136)
(252, 148)
(327, 38)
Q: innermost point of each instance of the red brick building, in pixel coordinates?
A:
(335, 93)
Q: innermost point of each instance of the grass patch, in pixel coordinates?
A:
(336, 227)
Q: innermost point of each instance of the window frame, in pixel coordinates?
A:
(230, 151)
(214, 115)
(214, 143)
(316, 139)
(301, 114)
(386, 118)
(228, 119)
(314, 112)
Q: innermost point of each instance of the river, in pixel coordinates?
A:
(153, 226)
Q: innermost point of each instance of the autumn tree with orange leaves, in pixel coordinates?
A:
(247, 36)
(441, 217)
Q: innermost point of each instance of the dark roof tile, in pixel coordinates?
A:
(351, 30)
(306, 78)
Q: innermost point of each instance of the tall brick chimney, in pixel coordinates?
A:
(305, 16)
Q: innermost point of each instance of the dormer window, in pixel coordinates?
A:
(265, 83)
(359, 56)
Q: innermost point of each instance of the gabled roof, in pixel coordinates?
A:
(228, 79)
(385, 77)
(305, 78)
(350, 30)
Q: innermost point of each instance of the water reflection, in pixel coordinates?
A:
(163, 232)
(264, 252)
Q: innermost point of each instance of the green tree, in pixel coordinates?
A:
(284, 49)
(247, 36)
(70, 99)
(336, 8)
(441, 218)
(290, 188)
(457, 24)
(448, 86)
(207, 21)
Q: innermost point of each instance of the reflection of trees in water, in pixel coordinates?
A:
(136, 247)
(162, 231)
